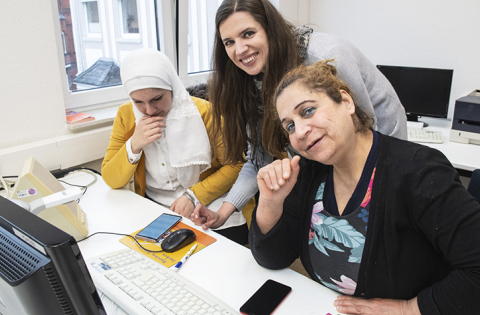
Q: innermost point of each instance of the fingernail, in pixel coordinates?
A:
(335, 303)
(196, 216)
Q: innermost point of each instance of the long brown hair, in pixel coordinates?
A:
(232, 91)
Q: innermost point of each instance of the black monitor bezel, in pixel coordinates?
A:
(413, 114)
(66, 262)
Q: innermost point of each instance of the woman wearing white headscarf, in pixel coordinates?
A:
(164, 138)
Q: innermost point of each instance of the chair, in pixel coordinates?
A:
(474, 185)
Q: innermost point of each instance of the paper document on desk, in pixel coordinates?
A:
(169, 259)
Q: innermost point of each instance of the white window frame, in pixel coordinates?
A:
(110, 96)
(128, 36)
(296, 11)
(187, 79)
(85, 20)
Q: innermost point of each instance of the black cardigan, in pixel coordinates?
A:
(423, 236)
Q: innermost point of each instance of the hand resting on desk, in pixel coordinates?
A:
(353, 305)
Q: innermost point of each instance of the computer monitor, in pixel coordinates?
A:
(422, 91)
(42, 271)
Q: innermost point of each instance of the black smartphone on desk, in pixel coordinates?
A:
(266, 300)
(155, 230)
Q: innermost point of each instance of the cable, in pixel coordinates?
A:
(6, 184)
(136, 241)
(91, 172)
(82, 186)
(83, 194)
(62, 173)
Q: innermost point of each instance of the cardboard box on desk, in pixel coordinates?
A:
(466, 119)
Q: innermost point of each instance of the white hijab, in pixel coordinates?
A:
(186, 136)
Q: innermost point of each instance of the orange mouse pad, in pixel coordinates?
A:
(169, 259)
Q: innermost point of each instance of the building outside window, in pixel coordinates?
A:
(91, 14)
(97, 34)
(67, 41)
(129, 16)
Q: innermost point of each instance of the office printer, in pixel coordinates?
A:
(466, 119)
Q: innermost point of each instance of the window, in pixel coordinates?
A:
(129, 16)
(201, 32)
(91, 14)
(196, 36)
(95, 36)
(197, 25)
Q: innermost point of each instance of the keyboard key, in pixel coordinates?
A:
(153, 289)
(426, 136)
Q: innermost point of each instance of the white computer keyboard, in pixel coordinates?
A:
(421, 135)
(140, 285)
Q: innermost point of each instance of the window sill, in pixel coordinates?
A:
(103, 116)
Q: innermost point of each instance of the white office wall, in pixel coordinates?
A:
(32, 109)
(31, 99)
(426, 33)
(295, 12)
(423, 33)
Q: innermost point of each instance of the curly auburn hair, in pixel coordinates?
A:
(322, 77)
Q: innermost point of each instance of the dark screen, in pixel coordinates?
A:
(422, 91)
(266, 299)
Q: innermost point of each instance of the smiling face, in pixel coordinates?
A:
(245, 42)
(152, 101)
(318, 128)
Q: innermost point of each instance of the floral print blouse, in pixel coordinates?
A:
(336, 241)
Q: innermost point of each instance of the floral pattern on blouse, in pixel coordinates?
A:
(331, 234)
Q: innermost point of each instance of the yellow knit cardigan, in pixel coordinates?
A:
(117, 170)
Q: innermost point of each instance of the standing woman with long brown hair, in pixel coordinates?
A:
(254, 48)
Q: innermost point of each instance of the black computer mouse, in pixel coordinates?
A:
(177, 240)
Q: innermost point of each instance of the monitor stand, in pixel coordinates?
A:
(415, 119)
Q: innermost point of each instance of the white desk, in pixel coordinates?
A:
(224, 268)
(462, 156)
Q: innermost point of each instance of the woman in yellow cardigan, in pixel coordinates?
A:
(164, 138)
